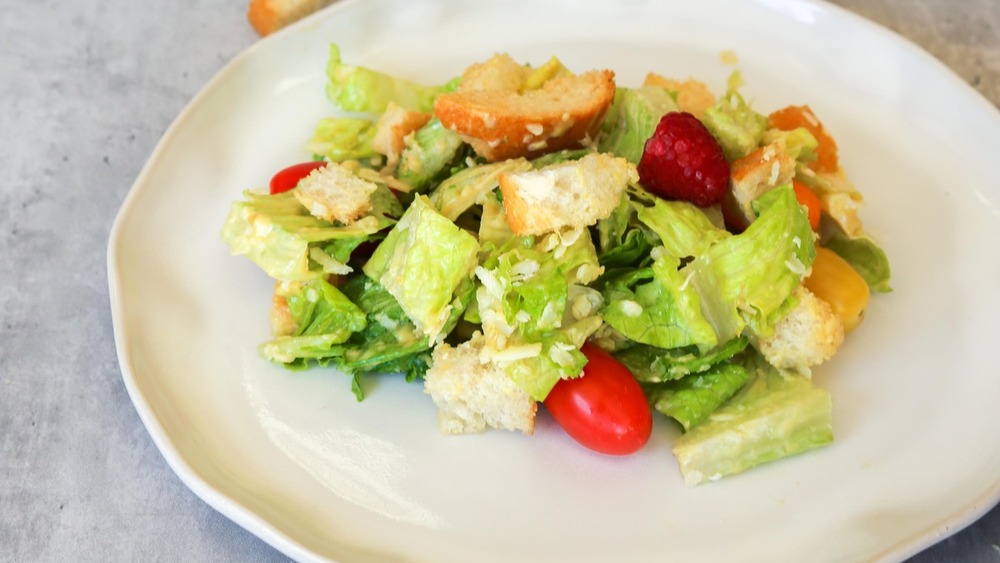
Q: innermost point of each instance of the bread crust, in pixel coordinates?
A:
(268, 16)
(498, 124)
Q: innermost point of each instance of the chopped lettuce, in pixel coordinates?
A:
(530, 324)
(650, 364)
(410, 265)
(278, 234)
(632, 118)
(683, 228)
(737, 127)
(692, 399)
(343, 138)
(432, 149)
(322, 317)
(360, 89)
(665, 311)
(775, 415)
(468, 187)
(748, 277)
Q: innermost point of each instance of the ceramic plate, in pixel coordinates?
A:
(293, 458)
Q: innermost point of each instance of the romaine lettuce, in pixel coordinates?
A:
(775, 415)
(355, 88)
(411, 266)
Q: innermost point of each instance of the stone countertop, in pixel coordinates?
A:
(89, 87)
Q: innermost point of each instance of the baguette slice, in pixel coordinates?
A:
(501, 124)
(268, 16)
(571, 194)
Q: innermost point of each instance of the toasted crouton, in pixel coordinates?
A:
(502, 124)
(807, 337)
(334, 193)
(500, 72)
(693, 96)
(392, 128)
(472, 396)
(571, 194)
(756, 174)
(268, 16)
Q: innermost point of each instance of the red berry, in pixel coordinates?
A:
(682, 160)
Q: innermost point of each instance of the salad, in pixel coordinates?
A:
(530, 235)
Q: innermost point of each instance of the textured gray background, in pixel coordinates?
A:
(86, 89)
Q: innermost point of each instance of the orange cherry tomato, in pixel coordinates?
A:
(792, 117)
(809, 199)
(604, 409)
(288, 178)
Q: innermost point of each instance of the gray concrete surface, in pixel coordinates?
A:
(86, 89)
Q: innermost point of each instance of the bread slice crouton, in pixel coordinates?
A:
(334, 193)
(392, 128)
(693, 96)
(756, 174)
(500, 124)
(807, 337)
(472, 396)
(268, 16)
(499, 72)
(572, 194)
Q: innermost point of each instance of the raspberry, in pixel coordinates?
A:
(682, 160)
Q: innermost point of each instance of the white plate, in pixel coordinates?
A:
(294, 459)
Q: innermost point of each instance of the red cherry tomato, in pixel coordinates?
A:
(605, 409)
(289, 177)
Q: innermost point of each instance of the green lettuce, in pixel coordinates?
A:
(360, 89)
(683, 228)
(664, 311)
(469, 186)
(737, 127)
(428, 156)
(343, 138)
(632, 118)
(531, 325)
(749, 277)
(650, 364)
(278, 234)
(775, 415)
(411, 266)
(322, 315)
(692, 399)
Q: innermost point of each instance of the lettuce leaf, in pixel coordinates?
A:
(410, 265)
(774, 416)
(360, 89)
(632, 118)
(278, 234)
(692, 399)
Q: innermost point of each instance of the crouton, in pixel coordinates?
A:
(571, 194)
(500, 72)
(807, 337)
(392, 128)
(500, 124)
(756, 174)
(472, 396)
(268, 16)
(334, 193)
(693, 96)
